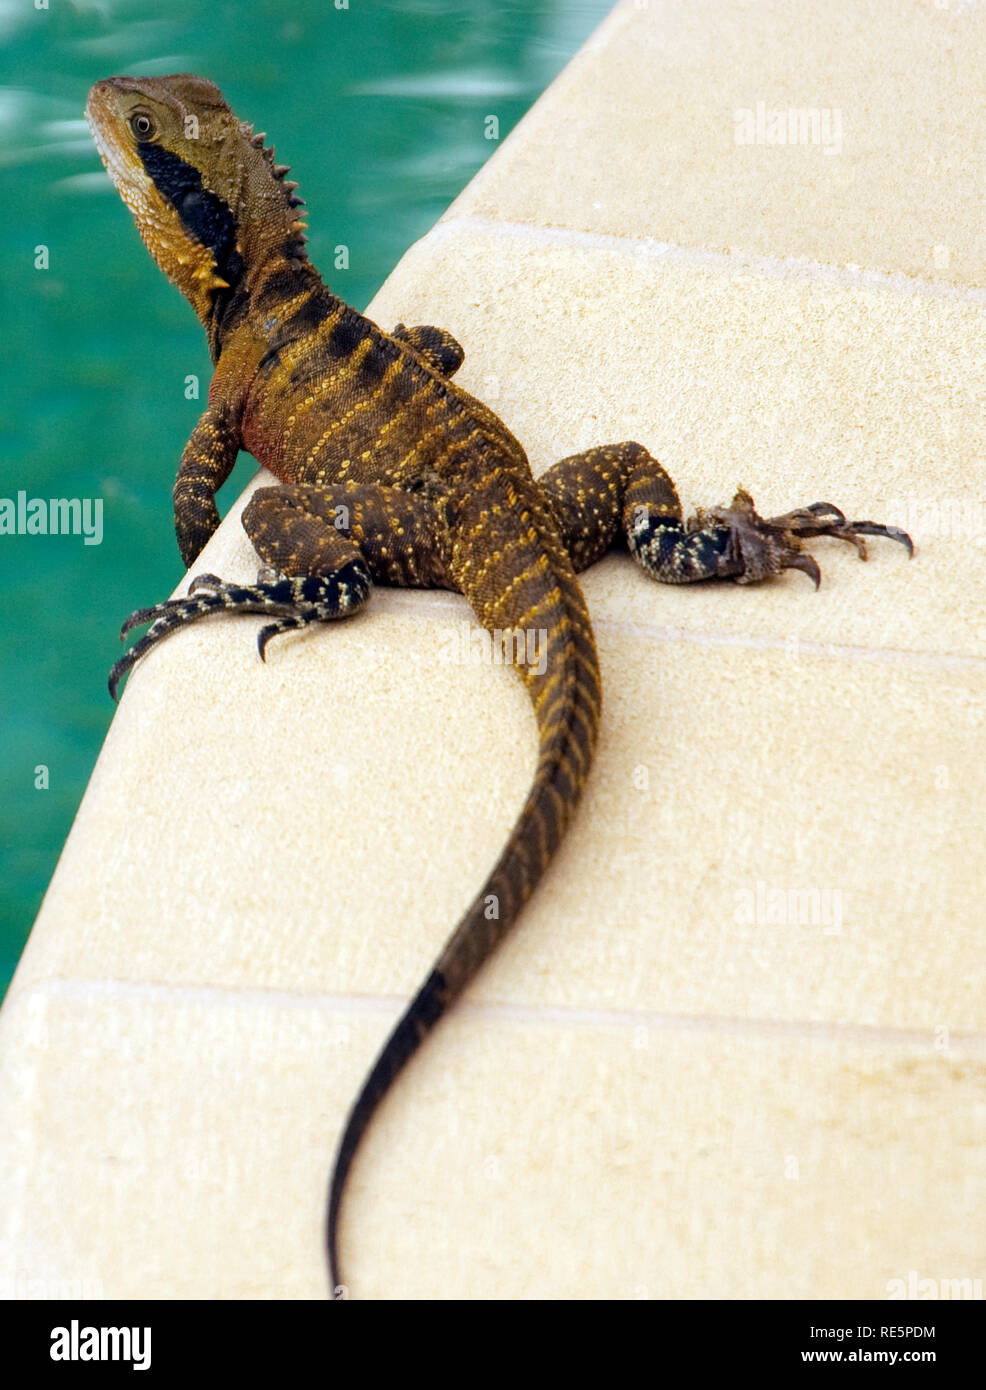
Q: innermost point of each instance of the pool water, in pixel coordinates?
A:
(380, 109)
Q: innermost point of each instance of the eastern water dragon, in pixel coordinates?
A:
(390, 473)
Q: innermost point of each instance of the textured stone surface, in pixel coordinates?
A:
(736, 1047)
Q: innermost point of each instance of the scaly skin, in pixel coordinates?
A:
(391, 473)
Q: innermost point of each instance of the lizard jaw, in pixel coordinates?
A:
(126, 175)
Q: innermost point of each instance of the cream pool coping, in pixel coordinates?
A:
(736, 1047)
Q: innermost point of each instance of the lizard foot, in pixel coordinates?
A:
(759, 547)
(291, 603)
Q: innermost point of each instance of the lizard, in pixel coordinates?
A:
(390, 473)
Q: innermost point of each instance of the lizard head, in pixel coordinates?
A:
(209, 201)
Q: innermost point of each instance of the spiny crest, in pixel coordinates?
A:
(287, 186)
(257, 139)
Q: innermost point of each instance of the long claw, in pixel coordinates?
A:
(846, 533)
(737, 543)
(825, 519)
(892, 533)
(826, 509)
(121, 667)
(289, 623)
(807, 565)
(117, 672)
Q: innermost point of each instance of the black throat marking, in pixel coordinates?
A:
(204, 215)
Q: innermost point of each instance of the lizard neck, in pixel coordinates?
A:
(237, 225)
(262, 285)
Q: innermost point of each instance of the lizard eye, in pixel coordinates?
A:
(142, 125)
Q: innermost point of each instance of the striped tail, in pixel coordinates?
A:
(544, 597)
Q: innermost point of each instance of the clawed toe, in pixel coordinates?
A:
(164, 618)
(814, 515)
(759, 547)
(140, 616)
(801, 560)
(290, 623)
(292, 603)
(876, 528)
(826, 509)
(205, 581)
(118, 670)
(208, 594)
(131, 657)
(825, 519)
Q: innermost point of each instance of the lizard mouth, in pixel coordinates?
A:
(105, 123)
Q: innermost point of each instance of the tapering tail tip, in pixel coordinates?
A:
(567, 699)
(417, 1021)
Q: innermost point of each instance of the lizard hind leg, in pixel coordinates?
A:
(619, 495)
(620, 492)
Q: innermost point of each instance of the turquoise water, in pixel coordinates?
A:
(380, 110)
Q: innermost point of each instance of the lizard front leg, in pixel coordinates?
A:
(206, 462)
(324, 545)
(620, 494)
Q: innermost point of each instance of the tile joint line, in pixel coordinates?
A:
(445, 608)
(386, 1005)
(649, 249)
